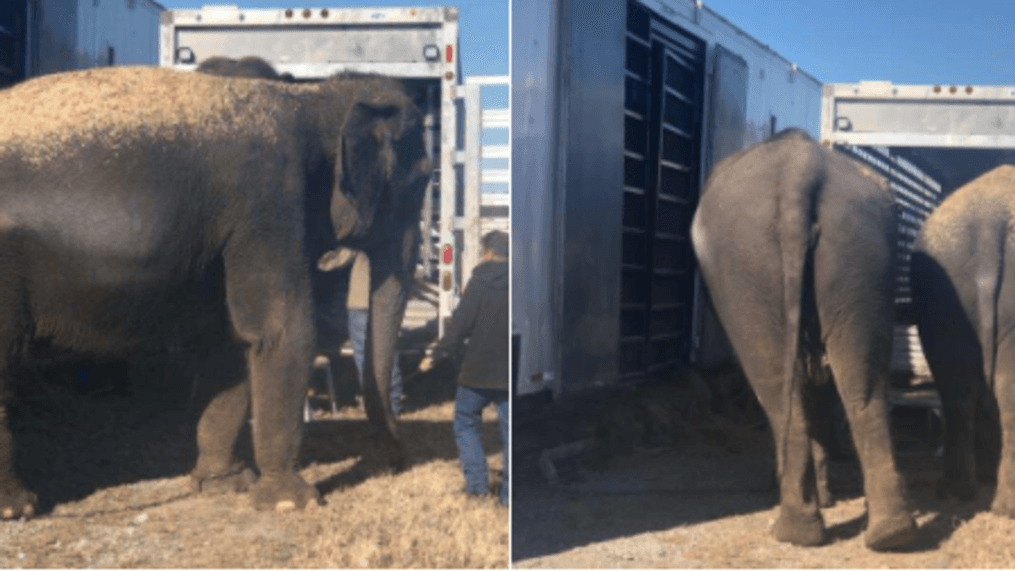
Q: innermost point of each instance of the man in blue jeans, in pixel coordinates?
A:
(482, 318)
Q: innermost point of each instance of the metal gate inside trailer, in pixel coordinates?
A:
(663, 92)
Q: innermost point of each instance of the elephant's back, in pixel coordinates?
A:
(112, 108)
(985, 203)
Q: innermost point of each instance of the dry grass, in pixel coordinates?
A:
(116, 469)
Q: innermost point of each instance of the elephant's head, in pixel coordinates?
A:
(381, 165)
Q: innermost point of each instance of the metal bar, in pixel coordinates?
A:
(923, 140)
(449, 145)
(496, 176)
(488, 80)
(332, 16)
(496, 151)
(496, 118)
(886, 91)
(495, 199)
(473, 179)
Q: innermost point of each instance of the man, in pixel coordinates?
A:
(482, 319)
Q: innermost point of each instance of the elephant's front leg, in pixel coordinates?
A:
(800, 521)
(820, 404)
(819, 454)
(958, 398)
(270, 305)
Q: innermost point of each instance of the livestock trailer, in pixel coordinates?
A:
(419, 45)
(46, 36)
(620, 109)
(927, 140)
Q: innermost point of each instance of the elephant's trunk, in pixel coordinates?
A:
(387, 308)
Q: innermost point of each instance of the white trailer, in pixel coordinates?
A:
(419, 45)
(620, 109)
(47, 36)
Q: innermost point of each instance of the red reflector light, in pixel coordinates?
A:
(447, 256)
(451, 54)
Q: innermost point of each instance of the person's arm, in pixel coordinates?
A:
(459, 327)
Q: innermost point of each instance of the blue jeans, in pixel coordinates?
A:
(469, 405)
(358, 333)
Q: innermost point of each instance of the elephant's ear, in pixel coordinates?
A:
(364, 165)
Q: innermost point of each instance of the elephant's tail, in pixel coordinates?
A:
(990, 255)
(801, 179)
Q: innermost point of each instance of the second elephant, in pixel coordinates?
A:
(964, 294)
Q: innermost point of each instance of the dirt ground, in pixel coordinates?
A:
(111, 475)
(708, 504)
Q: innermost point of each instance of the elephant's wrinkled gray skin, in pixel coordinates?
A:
(964, 295)
(796, 246)
(141, 208)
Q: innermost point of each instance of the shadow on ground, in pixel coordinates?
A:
(81, 428)
(710, 472)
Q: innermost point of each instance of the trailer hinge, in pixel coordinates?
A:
(699, 6)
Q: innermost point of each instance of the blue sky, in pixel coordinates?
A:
(904, 41)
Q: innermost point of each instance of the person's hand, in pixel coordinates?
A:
(426, 364)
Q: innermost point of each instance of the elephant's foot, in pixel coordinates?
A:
(890, 533)
(17, 502)
(284, 492)
(1004, 503)
(799, 529)
(964, 490)
(236, 479)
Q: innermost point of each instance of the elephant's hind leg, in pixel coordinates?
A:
(217, 469)
(861, 376)
(15, 500)
(1004, 388)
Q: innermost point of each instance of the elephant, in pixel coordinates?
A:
(795, 246)
(141, 208)
(962, 275)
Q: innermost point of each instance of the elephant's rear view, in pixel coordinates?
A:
(796, 246)
(964, 294)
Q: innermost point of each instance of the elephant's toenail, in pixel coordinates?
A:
(29, 511)
(8, 513)
(285, 506)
